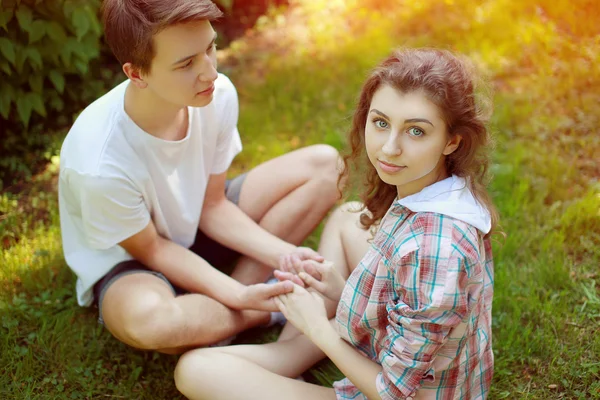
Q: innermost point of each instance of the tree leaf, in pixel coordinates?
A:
(36, 83)
(37, 103)
(56, 32)
(5, 18)
(80, 22)
(6, 97)
(5, 66)
(81, 66)
(20, 60)
(56, 103)
(7, 48)
(25, 17)
(23, 108)
(58, 80)
(37, 31)
(35, 57)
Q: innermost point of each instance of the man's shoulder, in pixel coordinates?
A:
(88, 139)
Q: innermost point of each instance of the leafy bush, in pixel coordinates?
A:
(46, 54)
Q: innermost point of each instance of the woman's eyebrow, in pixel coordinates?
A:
(407, 121)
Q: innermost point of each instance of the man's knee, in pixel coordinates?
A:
(148, 322)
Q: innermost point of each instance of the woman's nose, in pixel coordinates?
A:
(391, 147)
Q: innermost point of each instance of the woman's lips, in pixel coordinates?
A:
(389, 168)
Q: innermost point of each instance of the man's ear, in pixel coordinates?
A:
(134, 75)
(452, 145)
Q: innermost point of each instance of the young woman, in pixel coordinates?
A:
(413, 320)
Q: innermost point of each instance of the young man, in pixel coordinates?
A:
(144, 167)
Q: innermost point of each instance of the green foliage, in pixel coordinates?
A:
(47, 50)
(298, 77)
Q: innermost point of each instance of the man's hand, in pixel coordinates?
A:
(260, 296)
(292, 262)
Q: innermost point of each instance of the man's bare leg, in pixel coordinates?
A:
(140, 310)
(288, 196)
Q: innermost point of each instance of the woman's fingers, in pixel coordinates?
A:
(288, 276)
(312, 282)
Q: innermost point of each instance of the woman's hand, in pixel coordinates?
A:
(305, 310)
(324, 278)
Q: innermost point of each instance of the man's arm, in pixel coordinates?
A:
(226, 223)
(189, 271)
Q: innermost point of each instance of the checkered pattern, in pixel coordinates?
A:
(419, 304)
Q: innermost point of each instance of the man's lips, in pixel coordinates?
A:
(207, 91)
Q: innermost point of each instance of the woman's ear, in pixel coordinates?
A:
(134, 75)
(452, 145)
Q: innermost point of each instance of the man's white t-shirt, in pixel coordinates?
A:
(115, 177)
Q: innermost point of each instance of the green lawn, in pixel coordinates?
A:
(297, 75)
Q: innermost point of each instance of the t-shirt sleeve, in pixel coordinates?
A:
(229, 143)
(112, 210)
(430, 282)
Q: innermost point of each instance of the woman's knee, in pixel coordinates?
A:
(195, 371)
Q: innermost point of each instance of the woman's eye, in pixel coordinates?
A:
(381, 124)
(414, 131)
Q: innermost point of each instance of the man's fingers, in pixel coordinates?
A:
(278, 289)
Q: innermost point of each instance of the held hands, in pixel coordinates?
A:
(292, 262)
(305, 310)
(262, 296)
(322, 277)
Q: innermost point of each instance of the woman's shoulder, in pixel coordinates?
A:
(436, 232)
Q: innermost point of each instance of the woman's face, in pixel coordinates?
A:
(407, 140)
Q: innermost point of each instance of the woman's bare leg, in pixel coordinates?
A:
(344, 242)
(251, 372)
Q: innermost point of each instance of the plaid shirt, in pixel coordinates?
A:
(419, 304)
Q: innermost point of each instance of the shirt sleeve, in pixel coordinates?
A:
(229, 143)
(430, 284)
(112, 210)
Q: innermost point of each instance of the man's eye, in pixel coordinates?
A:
(187, 64)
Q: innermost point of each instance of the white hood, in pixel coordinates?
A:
(453, 198)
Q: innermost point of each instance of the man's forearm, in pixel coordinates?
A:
(189, 271)
(229, 225)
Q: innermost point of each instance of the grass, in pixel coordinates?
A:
(298, 74)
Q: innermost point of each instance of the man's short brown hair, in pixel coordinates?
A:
(129, 25)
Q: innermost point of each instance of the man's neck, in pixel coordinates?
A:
(154, 115)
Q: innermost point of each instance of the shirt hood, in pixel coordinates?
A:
(453, 198)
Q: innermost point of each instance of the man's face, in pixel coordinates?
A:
(183, 70)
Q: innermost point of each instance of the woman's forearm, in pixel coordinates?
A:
(360, 370)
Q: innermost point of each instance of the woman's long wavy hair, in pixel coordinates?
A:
(449, 81)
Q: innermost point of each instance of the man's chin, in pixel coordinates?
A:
(199, 101)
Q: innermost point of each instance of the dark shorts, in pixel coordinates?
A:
(213, 252)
